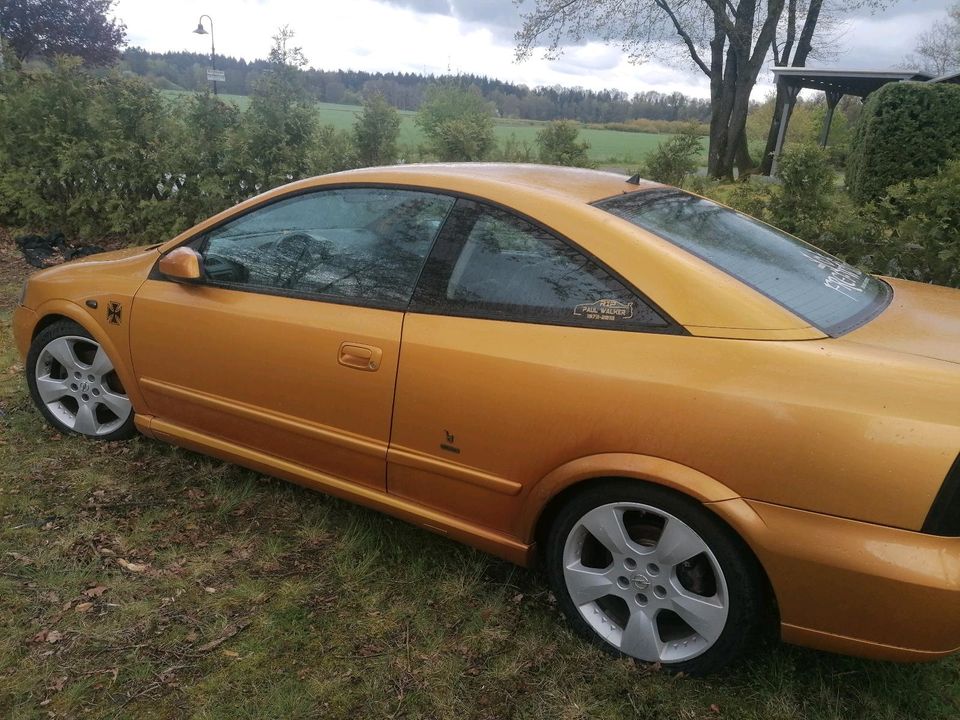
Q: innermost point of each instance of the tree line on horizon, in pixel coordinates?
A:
(406, 91)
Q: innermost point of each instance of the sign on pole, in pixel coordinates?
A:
(215, 75)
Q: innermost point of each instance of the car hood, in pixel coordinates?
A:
(119, 272)
(921, 320)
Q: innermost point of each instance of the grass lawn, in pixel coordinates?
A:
(607, 147)
(142, 581)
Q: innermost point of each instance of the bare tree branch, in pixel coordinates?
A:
(685, 35)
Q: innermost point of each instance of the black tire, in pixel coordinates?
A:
(59, 329)
(745, 594)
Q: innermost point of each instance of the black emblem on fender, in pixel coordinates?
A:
(114, 312)
(448, 445)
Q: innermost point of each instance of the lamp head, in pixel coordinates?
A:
(200, 29)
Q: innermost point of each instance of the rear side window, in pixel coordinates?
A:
(497, 265)
(826, 292)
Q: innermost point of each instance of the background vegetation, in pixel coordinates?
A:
(905, 132)
(406, 91)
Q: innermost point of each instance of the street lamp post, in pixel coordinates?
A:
(213, 53)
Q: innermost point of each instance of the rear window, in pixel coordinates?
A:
(826, 292)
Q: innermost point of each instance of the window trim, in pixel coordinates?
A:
(835, 330)
(671, 328)
(447, 247)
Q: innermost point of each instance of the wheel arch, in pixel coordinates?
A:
(46, 321)
(54, 311)
(723, 503)
(575, 475)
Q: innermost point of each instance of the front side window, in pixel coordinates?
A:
(500, 266)
(362, 244)
(822, 290)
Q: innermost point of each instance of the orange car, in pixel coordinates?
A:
(690, 417)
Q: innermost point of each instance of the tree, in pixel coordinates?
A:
(557, 145)
(376, 131)
(280, 125)
(44, 28)
(200, 154)
(458, 123)
(938, 49)
(793, 51)
(728, 41)
(333, 151)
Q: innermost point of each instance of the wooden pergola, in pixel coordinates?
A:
(835, 83)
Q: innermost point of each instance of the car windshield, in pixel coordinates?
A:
(826, 292)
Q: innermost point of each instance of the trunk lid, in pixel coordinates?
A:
(921, 320)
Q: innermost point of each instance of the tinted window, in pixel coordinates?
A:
(824, 291)
(498, 265)
(362, 243)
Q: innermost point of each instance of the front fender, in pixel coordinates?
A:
(115, 340)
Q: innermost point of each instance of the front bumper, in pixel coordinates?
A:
(852, 587)
(24, 321)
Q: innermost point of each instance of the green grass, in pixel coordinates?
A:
(607, 147)
(259, 599)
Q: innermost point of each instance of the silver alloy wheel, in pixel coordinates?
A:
(76, 381)
(646, 582)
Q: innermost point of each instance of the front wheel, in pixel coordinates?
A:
(75, 386)
(653, 575)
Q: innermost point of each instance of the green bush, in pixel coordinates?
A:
(277, 132)
(458, 123)
(674, 159)
(95, 165)
(921, 222)
(557, 145)
(333, 151)
(375, 133)
(513, 150)
(906, 131)
(96, 156)
(206, 177)
(802, 202)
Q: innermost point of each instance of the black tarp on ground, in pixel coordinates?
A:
(45, 250)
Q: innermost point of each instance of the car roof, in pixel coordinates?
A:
(577, 184)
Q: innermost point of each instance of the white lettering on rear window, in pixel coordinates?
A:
(842, 278)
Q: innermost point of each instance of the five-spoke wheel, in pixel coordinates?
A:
(653, 575)
(75, 385)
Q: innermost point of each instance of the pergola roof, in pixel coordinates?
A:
(845, 82)
(953, 77)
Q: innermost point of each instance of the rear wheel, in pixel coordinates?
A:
(653, 575)
(75, 386)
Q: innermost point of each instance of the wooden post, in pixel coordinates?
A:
(833, 97)
(791, 92)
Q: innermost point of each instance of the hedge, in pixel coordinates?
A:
(907, 130)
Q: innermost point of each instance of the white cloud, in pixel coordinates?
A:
(430, 36)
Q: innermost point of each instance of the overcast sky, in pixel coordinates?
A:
(475, 36)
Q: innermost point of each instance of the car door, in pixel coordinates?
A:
(513, 341)
(289, 343)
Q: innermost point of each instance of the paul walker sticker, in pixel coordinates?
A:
(606, 309)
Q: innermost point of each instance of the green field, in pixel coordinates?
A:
(612, 148)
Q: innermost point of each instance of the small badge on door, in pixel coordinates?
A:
(448, 445)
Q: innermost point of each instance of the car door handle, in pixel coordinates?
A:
(360, 357)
